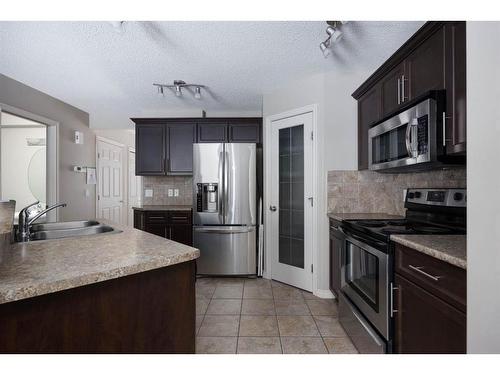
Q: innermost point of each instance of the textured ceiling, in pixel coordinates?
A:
(110, 75)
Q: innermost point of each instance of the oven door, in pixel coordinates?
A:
(405, 139)
(365, 281)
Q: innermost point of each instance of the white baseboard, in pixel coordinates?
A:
(323, 293)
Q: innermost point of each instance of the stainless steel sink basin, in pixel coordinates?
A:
(63, 225)
(71, 232)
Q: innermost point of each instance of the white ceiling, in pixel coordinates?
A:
(110, 75)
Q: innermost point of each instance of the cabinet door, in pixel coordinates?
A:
(181, 233)
(336, 245)
(159, 229)
(455, 88)
(425, 68)
(391, 90)
(425, 324)
(150, 149)
(212, 132)
(244, 132)
(180, 139)
(368, 113)
(139, 220)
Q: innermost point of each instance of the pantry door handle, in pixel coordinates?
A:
(272, 208)
(419, 270)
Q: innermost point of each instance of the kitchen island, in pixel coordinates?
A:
(123, 292)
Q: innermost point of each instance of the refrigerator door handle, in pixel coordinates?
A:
(220, 198)
(227, 180)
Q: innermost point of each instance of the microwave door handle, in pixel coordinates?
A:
(408, 141)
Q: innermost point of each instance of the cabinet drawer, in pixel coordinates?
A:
(435, 276)
(180, 217)
(156, 217)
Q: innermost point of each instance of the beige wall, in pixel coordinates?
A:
(336, 138)
(72, 185)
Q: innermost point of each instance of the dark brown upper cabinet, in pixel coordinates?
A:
(150, 150)
(180, 138)
(212, 132)
(455, 82)
(432, 59)
(369, 109)
(164, 146)
(425, 68)
(244, 131)
(391, 87)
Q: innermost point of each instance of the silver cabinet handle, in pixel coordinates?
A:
(272, 208)
(399, 91)
(403, 89)
(393, 288)
(419, 270)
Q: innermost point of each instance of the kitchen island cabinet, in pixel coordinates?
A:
(126, 292)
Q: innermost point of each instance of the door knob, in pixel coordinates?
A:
(272, 208)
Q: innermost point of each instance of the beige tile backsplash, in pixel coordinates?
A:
(368, 191)
(160, 186)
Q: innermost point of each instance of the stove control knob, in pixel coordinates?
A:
(411, 195)
(458, 196)
(418, 194)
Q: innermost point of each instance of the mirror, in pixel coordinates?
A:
(36, 175)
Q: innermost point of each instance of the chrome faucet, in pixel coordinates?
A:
(25, 222)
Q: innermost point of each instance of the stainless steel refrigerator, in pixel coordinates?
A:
(224, 208)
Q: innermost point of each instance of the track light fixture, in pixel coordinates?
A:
(334, 35)
(178, 86)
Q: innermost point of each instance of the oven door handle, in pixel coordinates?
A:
(360, 239)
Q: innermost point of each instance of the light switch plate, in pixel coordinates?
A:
(170, 193)
(176, 192)
(148, 193)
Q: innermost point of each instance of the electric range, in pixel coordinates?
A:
(365, 301)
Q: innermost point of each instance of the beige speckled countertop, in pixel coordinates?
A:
(6, 214)
(363, 216)
(162, 208)
(449, 248)
(41, 267)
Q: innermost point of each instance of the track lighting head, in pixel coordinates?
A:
(325, 49)
(197, 93)
(178, 86)
(178, 91)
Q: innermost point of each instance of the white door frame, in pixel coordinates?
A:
(124, 175)
(52, 154)
(131, 150)
(313, 108)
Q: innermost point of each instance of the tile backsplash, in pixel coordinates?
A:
(368, 191)
(160, 186)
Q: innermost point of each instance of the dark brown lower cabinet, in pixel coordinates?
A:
(174, 225)
(148, 312)
(425, 324)
(336, 246)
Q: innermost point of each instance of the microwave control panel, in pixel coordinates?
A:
(423, 134)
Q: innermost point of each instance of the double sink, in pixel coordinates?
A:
(65, 229)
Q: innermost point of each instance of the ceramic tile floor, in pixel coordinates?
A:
(262, 316)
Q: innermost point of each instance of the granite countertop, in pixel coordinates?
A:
(40, 267)
(449, 248)
(162, 208)
(363, 216)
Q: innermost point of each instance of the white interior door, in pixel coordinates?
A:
(110, 181)
(291, 200)
(134, 187)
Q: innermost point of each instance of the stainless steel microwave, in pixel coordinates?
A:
(406, 141)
